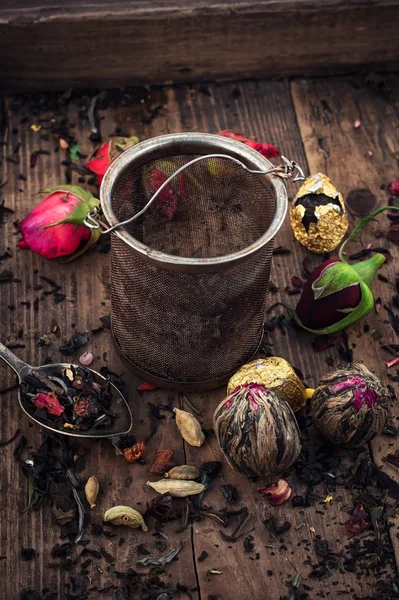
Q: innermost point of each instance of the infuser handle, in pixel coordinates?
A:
(13, 361)
(285, 170)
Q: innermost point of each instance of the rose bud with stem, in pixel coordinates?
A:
(55, 228)
(337, 294)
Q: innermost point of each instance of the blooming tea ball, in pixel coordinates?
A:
(350, 406)
(257, 433)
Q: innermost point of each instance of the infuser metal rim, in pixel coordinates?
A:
(177, 141)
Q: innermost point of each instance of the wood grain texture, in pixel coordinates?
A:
(327, 111)
(266, 111)
(162, 42)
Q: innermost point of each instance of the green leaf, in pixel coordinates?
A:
(74, 152)
(33, 497)
(84, 195)
(334, 278)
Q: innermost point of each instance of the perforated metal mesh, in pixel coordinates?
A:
(190, 326)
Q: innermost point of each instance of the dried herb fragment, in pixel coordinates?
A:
(162, 509)
(74, 343)
(358, 521)
(147, 387)
(249, 546)
(135, 452)
(163, 461)
(160, 560)
(230, 493)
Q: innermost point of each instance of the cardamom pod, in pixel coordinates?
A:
(176, 488)
(91, 490)
(189, 427)
(124, 515)
(183, 472)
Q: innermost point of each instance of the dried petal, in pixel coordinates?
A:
(277, 493)
(49, 402)
(393, 187)
(358, 521)
(392, 362)
(135, 452)
(85, 407)
(86, 359)
(147, 387)
(163, 461)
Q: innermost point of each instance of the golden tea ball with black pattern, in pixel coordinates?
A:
(350, 406)
(277, 375)
(257, 433)
(318, 214)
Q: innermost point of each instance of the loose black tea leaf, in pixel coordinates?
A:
(76, 341)
(28, 554)
(69, 398)
(160, 560)
(249, 546)
(202, 556)
(230, 493)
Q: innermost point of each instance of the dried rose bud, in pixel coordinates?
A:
(393, 187)
(350, 406)
(49, 402)
(85, 407)
(163, 461)
(358, 521)
(277, 493)
(135, 452)
(55, 227)
(337, 294)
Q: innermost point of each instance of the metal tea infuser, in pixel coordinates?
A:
(192, 218)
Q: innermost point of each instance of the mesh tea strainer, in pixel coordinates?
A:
(192, 219)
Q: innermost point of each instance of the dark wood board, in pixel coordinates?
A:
(162, 42)
(291, 117)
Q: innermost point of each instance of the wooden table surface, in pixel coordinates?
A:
(311, 121)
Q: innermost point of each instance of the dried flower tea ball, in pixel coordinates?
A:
(257, 432)
(318, 214)
(277, 375)
(350, 406)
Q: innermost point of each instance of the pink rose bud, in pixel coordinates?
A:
(107, 153)
(54, 228)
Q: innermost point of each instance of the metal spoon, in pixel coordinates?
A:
(118, 405)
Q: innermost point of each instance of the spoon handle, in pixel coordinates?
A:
(11, 359)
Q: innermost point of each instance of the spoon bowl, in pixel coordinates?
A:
(121, 424)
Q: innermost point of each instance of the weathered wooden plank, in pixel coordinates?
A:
(86, 284)
(327, 111)
(162, 42)
(264, 110)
